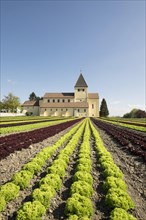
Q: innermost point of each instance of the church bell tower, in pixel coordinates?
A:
(81, 90)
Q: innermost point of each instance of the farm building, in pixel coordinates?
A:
(79, 103)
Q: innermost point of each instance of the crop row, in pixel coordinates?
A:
(135, 143)
(5, 125)
(22, 118)
(21, 180)
(31, 126)
(117, 198)
(13, 142)
(136, 127)
(50, 184)
(121, 121)
(79, 206)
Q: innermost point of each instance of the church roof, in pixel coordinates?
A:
(81, 82)
(93, 96)
(59, 95)
(30, 103)
(64, 105)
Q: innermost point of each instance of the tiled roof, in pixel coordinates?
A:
(93, 95)
(30, 103)
(59, 95)
(81, 82)
(64, 105)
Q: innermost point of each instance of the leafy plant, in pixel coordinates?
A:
(42, 196)
(52, 180)
(84, 176)
(84, 167)
(2, 203)
(82, 188)
(38, 160)
(31, 211)
(57, 169)
(75, 217)
(46, 188)
(79, 205)
(64, 157)
(22, 178)
(113, 171)
(33, 167)
(84, 161)
(9, 191)
(113, 182)
(84, 155)
(120, 214)
(60, 162)
(117, 198)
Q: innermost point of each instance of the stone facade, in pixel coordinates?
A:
(78, 104)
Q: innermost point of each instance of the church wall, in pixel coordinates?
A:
(93, 107)
(80, 95)
(56, 112)
(33, 109)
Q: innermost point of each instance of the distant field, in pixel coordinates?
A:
(140, 120)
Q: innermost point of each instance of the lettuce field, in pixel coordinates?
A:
(74, 169)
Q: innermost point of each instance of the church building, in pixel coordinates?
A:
(79, 103)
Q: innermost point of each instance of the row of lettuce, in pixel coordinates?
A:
(29, 127)
(126, 125)
(21, 180)
(79, 205)
(117, 197)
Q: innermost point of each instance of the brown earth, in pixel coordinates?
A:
(133, 168)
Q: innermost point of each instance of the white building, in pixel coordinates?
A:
(79, 103)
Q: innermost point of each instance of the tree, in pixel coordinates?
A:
(104, 109)
(33, 97)
(11, 102)
(135, 113)
(1, 105)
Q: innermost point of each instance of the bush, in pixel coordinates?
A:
(29, 113)
(42, 196)
(31, 211)
(121, 214)
(9, 191)
(2, 203)
(22, 178)
(82, 188)
(84, 176)
(113, 182)
(117, 198)
(52, 180)
(79, 205)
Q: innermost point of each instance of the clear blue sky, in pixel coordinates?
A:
(44, 44)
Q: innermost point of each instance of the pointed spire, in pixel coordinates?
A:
(81, 82)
